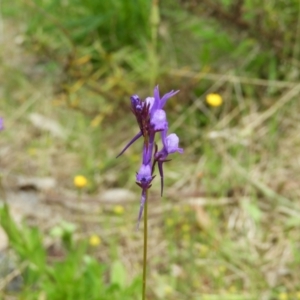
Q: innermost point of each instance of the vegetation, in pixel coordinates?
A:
(228, 225)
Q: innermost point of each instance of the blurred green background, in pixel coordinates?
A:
(228, 224)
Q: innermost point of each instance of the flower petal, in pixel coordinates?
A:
(156, 100)
(172, 142)
(164, 99)
(144, 176)
(150, 100)
(159, 120)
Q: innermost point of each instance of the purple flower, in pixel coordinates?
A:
(159, 120)
(152, 118)
(170, 145)
(136, 103)
(150, 101)
(149, 115)
(1, 124)
(144, 176)
(143, 179)
(159, 103)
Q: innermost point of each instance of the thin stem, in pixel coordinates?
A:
(145, 246)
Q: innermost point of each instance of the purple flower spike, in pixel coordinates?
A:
(1, 124)
(151, 118)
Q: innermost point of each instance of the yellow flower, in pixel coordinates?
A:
(214, 100)
(283, 296)
(168, 290)
(298, 295)
(232, 289)
(97, 121)
(80, 181)
(170, 222)
(185, 227)
(118, 209)
(32, 151)
(222, 269)
(94, 240)
(203, 250)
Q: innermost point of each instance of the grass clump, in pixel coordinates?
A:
(65, 270)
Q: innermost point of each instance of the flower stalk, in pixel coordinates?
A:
(151, 118)
(145, 248)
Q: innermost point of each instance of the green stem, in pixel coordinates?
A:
(145, 246)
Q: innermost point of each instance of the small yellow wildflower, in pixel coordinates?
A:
(170, 222)
(222, 269)
(283, 296)
(94, 240)
(80, 181)
(118, 209)
(97, 121)
(32, 151)
(214, 100)
(298, 295)
(203, 250)
(232, 289)
(168, 290)
(185, 227)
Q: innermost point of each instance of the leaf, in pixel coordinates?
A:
(118, 274)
